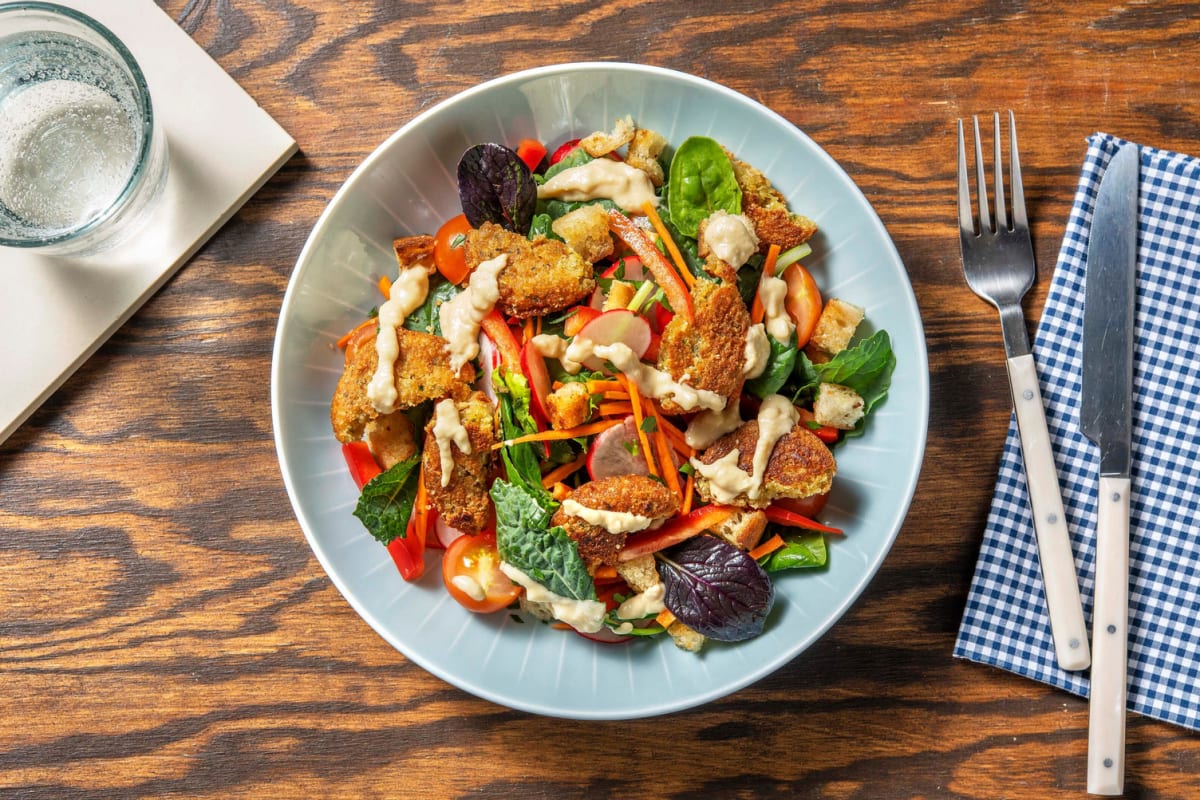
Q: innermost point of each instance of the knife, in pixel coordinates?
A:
(1105, 413)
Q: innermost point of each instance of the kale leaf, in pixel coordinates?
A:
(544, 553)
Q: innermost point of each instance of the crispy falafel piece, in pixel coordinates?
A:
(774, 223)
(422, 373)
(541, 275)
(800, 464)
(711, 351)
(632, 494)
(391, 438)
(464, 503)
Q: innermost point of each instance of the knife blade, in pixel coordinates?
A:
(1105, 416)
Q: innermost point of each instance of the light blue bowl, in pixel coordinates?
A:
(407, 186)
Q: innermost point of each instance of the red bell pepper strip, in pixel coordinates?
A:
(502, 336)
(790, 519)
(361, 462)
(675, 530)
(531, 151)
(665, 276)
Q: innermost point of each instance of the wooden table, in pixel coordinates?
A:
(165, 630)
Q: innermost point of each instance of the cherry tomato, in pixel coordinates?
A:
(471, 572)
(807, 506)
(803, 302)
(449, 251)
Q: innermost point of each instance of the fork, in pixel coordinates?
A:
(999, 266)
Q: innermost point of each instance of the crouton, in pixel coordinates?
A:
(415, 251)
(743, 530)
(643, 154)
(568, 407)
(711, 350)
(631, 494)
(686, 638)
(620, 295)
(640, 573)
(463, 502)
(835, 328)
(585, 230)
(390, 438)
(837, 406)
(540, 277)
(767, 209)
(601, 144)
(800, 465)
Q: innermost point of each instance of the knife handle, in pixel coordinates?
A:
(1067, 624)
(1110, 638)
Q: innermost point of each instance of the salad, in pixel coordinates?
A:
(609, 390)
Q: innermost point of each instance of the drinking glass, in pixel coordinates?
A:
(82, 155)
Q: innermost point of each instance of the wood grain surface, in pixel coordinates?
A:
(165, 630)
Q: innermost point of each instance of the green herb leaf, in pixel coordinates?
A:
(866, 368)
(701, 182)
(545, 554)
(649, 425)
(781, 361)
(426, 318)
(803, 551)
(386, 501)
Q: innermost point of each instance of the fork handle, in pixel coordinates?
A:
(1067, 624)
(1110, 623)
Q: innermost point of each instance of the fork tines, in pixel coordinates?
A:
(966, 218)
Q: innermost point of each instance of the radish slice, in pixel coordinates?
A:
(614, 452)
(605, 636)
(618, 325)
(489, 359)
(534, 367)
(634, 271)
(445, 534)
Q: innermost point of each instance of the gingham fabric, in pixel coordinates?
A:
(1005, 623)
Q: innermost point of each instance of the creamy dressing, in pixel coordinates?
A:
(772, 291)
(611, 521)
(448, 429)
(708, 426)
(655, 383)
(726, 480)
(407, 294)
(758, 351)
(569, 353)
(644, 604)
(730, 237)
(460, 317)
(585, 616)
(602, 178)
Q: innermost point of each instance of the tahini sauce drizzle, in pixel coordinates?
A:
(448, 429)
(611, 521)
(460, 317)
(602, 178)
(726, 480)
(730, 237)
(585, 616)
(407, 294)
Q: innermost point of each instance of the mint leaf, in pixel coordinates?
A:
(386, 501)
(804, 551)
(545, 554)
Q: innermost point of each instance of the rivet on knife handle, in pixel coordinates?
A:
(1110, 622)
(1067, 624)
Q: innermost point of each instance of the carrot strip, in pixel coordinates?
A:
(563, 471)
(345, 340)
(615, 396)
(605, 572)
(635, 402)
(769, 546)
(557, 385)
(757, 312)
(665, 618)
(688, 490)
(614, 409)
(527, 330)
(537, 327)
(670, 474)
(598, 387)
(421, 506)
(385, 286)
(669, 241)
(676, 437)
(553, 436)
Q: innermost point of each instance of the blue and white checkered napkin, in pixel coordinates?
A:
(1005, 623)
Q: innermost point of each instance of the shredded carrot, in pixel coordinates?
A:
(676, 437)
(557, 385)
(560, 626)
(560, 491)
(605, 572)
(562, 472)
(537, 326)
(345, 340)
(614, 409)
(669, 241)
(769, 546)
(385, 286)
(670, 474)
(599, 387)
(688, 489)
(757, 312)
(665, 618)
(553, 436)
(635, 402)
(421, 506)
(527, 330)
(615, 396)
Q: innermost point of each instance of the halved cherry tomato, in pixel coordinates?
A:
(471, 572)
(826, 433)
(563, 150)
(531, 151)
(803, 302)
(807, 506)
(361, 462)
(449, 252)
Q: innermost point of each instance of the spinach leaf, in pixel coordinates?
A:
(541, 227)
(386, 501)
(803, 551)
(555, 208)
(780, 364)
(543, 553)
(748, 278)
(426, 318)
(576, 158)
(494, 185)
(701, 182)
(688, 247)
(866, 368)
(716, 589)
